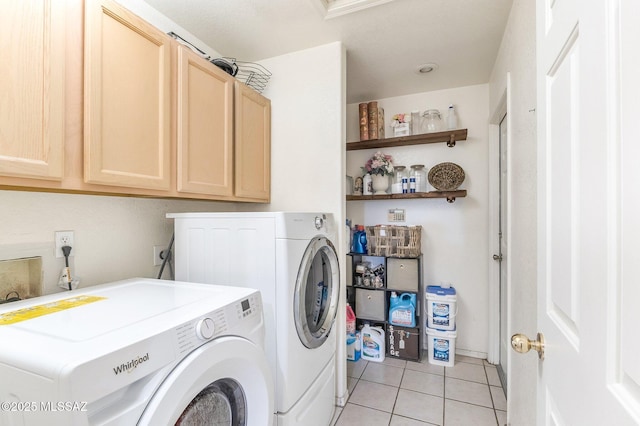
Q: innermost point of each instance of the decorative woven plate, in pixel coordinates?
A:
(446, 176)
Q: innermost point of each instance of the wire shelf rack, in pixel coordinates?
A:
(252, 74)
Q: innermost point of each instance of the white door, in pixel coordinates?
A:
(588, 209)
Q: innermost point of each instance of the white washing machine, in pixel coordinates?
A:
(291, 259)
(138, 351)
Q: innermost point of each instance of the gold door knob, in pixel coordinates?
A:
(522, 344)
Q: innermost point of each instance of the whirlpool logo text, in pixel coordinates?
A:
(131, 365)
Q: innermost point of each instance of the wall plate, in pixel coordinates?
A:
(396, 215)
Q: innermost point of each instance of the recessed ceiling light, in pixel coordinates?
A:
(426, 68)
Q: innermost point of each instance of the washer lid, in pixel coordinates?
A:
(88, 313)
(112, 323)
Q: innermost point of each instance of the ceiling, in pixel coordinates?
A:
(385, 43)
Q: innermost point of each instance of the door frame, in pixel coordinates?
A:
(503, 108)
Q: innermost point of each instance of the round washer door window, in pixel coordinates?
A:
(221, 403)
(226, 381)
(317, 292)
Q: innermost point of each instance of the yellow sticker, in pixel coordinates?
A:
(46, 309)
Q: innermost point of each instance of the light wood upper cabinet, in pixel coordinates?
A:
(127, 140)
(205, 126)
(252, 144)
(32, 42)
(128, 111)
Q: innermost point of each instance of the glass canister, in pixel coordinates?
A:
(431, 121)
(420, 175)
(398, 173)
(416, 123)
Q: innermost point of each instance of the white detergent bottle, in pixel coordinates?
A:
(372, 343)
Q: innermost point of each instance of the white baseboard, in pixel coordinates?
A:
(472, 354)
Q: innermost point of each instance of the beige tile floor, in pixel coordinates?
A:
(406, 393)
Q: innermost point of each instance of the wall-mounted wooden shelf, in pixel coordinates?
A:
(449, 195)
(448, 136)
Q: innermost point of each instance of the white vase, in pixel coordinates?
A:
(380, 184)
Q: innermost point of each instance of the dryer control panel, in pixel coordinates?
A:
(245, 313)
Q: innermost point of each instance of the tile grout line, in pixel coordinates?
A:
(493, 403)
(399, 387)
(395, 401)
(444, 393)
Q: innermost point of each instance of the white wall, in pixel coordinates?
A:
(455, 236)
(307, 129)
(308, 98)
(114, 236)
(517, 56)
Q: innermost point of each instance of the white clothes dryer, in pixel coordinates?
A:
(138, 351)
(291, 259)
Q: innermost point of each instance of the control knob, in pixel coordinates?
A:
(205, 328)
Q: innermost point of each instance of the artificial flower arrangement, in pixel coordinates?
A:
(398, 119)
(400, 124)
(379, 164)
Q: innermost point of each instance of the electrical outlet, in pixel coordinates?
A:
(63, 238)
(157, 260)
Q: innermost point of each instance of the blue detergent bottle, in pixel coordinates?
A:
(360, 241)
(402, 309)
(393, 301)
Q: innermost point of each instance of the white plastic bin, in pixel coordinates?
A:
(441, 346)
(441, 307)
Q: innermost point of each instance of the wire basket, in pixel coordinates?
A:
(394, 241)
(253, 75)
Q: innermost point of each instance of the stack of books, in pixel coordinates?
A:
(371, 121)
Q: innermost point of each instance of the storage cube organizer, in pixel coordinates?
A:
(394, 241)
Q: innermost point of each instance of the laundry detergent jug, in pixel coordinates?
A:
(353, 347)
(372, 343)
(402, 309)
(351, 320)
(360, 241)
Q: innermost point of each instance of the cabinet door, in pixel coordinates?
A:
(252, 144)
(127, 99)
(32, 38)
(205, 126)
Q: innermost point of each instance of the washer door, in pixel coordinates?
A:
(316, 292)
(224, 382)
